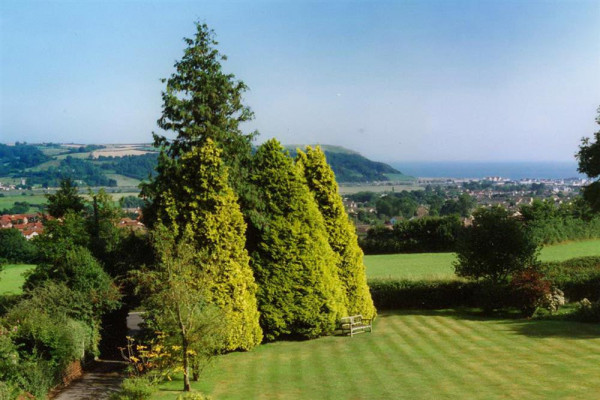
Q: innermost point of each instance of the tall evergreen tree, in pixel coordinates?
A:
(341, 233)
(299, 292)
(201, 102)
(204, 204)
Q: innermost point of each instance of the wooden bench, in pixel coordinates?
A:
(355, 324)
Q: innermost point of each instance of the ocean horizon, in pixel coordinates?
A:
(483, 169)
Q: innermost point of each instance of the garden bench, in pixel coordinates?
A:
(355, 324)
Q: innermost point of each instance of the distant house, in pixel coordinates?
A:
(133, 224)
(28, 224)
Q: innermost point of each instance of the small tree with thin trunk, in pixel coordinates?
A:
(176, 302)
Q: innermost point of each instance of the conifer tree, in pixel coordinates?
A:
(299, 292)
(341, 233)
(201, 102)
(202, 202)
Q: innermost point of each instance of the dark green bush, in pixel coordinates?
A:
(46, 339)
(431, 234)
(397, 294)
(578, 278)
(587, 311)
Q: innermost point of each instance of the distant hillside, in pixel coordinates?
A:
(350, 166)
(126, 165)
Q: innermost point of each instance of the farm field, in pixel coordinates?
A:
(123, 180)
(417, 355)
(11, 278)
(436, 266)
(8, 201)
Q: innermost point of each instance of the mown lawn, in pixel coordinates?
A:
(11, 278)
(418, 355)
(436, 266)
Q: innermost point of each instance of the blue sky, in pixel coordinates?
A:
(395, 80)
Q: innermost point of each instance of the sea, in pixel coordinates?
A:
(482, 169)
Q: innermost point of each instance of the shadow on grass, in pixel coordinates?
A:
(550, 326)
(562, 328)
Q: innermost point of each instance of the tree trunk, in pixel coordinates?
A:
(195, 374)
(186, 365)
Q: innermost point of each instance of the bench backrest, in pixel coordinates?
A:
(354, 319)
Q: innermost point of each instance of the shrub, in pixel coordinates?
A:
(578, 277)
(55, 339)
(136, 388)
(587, 311)
(14, 248)
(8, 391)
(530, 288)
(397, 294)
(494, 247)
(553, 300)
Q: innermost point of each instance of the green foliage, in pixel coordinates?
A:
(52, 340)
(16, 158)
(64, 200)
(135, 388)
(81, 273)
(549, 223)
(579, 278)
(201, 102)
(200, 200)
(429, 234)
(340, 231)
(299, 290)
(105, 236)
(391, 294)
(494, 247)
(14, 248)
(461, 206)
(589, 164)
(140, 167)
(70, 168)
(131, 202)
(176, 302)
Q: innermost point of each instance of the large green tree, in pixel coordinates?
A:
(201, 102)
(299, 294)
(201, 201)
(495, 247)
(589, 164)
(341, 232)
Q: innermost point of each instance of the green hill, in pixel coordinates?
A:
(117, 165)
(350, 166)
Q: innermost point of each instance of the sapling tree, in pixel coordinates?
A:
(176, 301)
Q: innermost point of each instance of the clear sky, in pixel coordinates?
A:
(395, 80)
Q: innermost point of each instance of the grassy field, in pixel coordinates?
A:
(435, 266)
(123, 180)
(11, 278)
(8, 201)
(418, 355)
